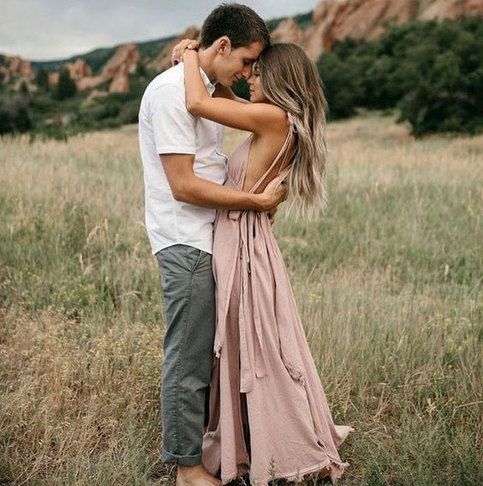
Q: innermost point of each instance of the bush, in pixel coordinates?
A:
(14, 116)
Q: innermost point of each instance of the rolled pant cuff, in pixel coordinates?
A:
(182, 460)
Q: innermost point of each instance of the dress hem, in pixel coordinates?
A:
(335, 472)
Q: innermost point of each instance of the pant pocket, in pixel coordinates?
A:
(193, 257)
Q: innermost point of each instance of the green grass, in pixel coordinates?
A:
(388, 285)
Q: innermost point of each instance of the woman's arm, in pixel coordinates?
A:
(253, 117)
(220, 91)
(225, 92)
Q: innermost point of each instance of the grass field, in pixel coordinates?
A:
(388, 285)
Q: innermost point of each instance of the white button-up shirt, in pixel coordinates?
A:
(166, 127)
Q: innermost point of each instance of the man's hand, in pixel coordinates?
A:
(274, 194)
(180, 47)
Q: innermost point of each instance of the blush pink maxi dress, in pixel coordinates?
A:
(268, 413)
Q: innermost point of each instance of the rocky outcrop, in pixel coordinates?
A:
(117, 70)
(450, 9)
(334, 20)
(288, 31)
(163, 60)
(78, 70)
(14, 68)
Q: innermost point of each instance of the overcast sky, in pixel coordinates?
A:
(53, 29)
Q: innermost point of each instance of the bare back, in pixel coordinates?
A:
(268, 155)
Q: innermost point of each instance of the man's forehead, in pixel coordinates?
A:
(252, 51)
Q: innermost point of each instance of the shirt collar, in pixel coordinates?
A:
(209, 85)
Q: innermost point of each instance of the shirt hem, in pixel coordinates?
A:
(194, 245)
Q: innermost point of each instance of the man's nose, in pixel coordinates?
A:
(247, 71)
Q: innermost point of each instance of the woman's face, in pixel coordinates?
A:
(256, 92)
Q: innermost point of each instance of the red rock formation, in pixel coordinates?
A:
(288, 31)
(15, 67)
(163, 61)
(334, 20)
(117, 70)
(450, 9)
(126, 58)
(120, 80)
(78, 69)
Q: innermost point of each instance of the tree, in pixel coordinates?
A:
(66, 87)
(42, 79)
(340, 85)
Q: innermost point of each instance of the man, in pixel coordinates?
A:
(184, 170)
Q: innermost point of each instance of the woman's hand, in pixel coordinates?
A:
(180, 48)
(190, 53)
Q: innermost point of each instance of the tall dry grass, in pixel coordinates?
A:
(388, 286)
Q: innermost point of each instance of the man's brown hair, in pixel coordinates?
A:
(239, 23)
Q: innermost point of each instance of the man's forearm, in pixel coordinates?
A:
(204, 193)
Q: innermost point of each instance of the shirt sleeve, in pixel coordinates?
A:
(173, 125)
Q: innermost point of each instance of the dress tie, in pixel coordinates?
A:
(252, 362)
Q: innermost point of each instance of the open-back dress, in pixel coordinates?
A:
(268, 413)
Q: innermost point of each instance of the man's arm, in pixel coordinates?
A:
(175, 141)
(186, 186)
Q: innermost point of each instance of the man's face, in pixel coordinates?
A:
(234, 64)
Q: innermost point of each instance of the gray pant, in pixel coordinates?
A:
(189, 303)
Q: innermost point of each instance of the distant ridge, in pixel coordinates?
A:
(98, 57)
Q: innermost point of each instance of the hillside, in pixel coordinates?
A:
(98, 57)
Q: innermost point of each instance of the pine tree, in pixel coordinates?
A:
(66, 87)
(42, 79)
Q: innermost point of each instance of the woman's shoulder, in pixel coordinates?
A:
(275, 117)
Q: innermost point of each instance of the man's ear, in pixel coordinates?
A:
(223, 45)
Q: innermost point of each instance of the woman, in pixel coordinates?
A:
(268, 412)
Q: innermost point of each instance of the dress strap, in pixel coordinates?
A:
(284, 151)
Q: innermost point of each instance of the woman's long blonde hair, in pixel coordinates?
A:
(289, 79)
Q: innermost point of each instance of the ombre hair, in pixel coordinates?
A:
(289, 79)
